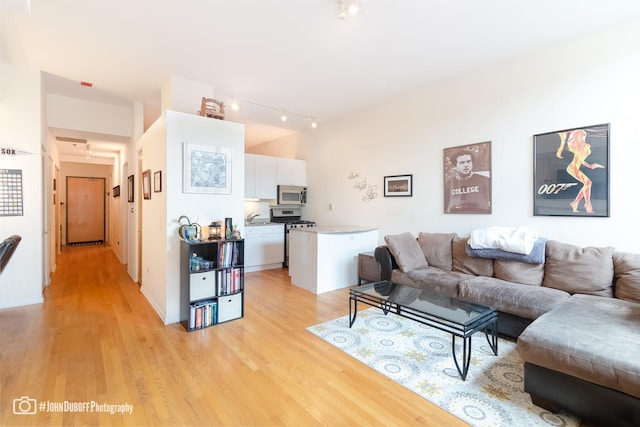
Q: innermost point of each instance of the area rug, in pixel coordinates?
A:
(419, 358)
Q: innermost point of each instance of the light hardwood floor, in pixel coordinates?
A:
(96, 338)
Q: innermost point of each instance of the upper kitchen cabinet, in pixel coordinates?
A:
(260, 174)
(291, 171)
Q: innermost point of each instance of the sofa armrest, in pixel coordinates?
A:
(386, 261)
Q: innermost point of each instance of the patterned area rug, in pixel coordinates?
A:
(419, 358)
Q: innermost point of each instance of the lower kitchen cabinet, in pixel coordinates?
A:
(264, 247)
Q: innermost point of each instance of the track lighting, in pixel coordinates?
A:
(284, 114)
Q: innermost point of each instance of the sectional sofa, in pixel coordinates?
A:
(575, 314)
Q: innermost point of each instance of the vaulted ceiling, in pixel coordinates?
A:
(293, 55)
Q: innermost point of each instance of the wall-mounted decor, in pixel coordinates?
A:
(467, 179)
(571, 172)
(116, 191)
(361, 185)
(207, 169)
(398, 186)
(130, 189)
(146, 184)
(157, 181)
(11, 192)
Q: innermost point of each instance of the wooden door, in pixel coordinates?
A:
(85, 209)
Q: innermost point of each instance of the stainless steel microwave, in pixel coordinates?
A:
(292, 195)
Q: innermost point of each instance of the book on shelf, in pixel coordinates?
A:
(203, 314)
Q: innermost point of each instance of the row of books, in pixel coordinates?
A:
(203, 314)
(228, 254)
(229, 281)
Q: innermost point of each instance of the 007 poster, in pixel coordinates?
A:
(571, 172)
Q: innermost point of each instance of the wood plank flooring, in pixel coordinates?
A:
(96, 338)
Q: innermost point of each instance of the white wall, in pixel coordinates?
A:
(79, 114)
(162, 147)
(590, 81)
(20, 124)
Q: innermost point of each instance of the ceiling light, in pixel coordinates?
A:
(283, 117)
(234, 105)
(348, 8)
(314, 124)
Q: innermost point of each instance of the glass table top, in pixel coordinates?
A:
(425, 301)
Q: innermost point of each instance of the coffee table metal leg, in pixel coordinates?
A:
(491, 332)
(466, 355)
(352, 318)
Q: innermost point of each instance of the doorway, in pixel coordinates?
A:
(85, 210)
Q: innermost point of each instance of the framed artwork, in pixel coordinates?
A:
(116, 191)
(157, 182)
(571, 172)
(207, 169)
(467, 179)
(146, 184)
(398, 186)
(130, 189)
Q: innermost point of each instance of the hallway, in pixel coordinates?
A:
(97, 339)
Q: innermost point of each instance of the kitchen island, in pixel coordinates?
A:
(322, 259)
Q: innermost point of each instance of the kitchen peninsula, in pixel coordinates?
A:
(323, 259)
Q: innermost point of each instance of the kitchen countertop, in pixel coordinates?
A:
(263, 224)
(335, 229)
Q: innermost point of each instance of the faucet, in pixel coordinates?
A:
(252, 216)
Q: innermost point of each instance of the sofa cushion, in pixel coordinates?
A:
(626, 269)
(405, 249)
(519, 272)
(588, 337)
(437, 248)
(437, 279)
(579, 270)
(520, 300)
(466, 264)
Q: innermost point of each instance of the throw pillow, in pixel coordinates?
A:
(405, 249)
(437, 248)
(626, 269)
(469, 265)
(579, 270)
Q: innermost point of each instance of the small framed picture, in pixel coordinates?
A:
(116, 191)
(130, 189)
(146, 184)
(157, 182)
(398, 186)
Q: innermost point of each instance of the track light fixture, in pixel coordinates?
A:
(284, 114)
(348, 8)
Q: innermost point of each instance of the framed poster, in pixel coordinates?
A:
(571, 172)
(398, 186)
(206, 169)
(146, 184)
(467, 179)
(116, 191)
(130, 189)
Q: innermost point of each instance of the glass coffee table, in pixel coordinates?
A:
(459, 318)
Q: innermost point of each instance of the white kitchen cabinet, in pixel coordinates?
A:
(291, 171)
(264, 247)
(260, 177)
